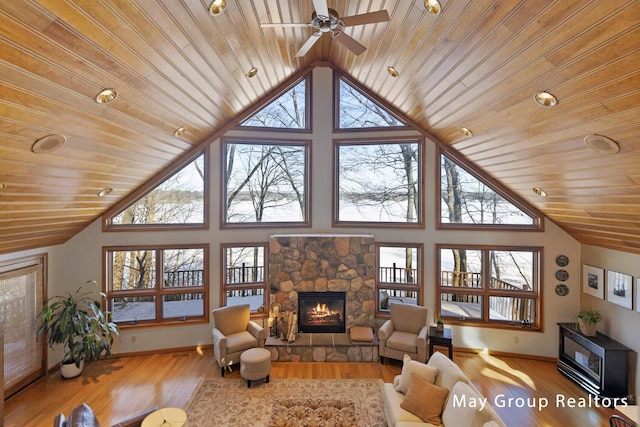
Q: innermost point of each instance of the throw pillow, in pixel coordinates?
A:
(409, 367)
(425, 400)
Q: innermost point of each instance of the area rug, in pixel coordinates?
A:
(286, 402)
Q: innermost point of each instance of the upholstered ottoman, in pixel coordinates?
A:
(255, 364)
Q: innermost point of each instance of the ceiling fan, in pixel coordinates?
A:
(325, 20)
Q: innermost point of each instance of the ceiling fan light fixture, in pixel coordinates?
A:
(392, 71)
(432, 6)
(601, 144)
(105, 191)
(106, 96)
(540, 192)
(180, 131)
(252, 72)
(466, 132)
(217, 7)
(48, 144)
(545, 99)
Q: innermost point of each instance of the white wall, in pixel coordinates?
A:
(619, 323)
(80, 260)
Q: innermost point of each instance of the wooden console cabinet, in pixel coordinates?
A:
(598, 364)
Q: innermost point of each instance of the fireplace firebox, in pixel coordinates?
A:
(321, 312)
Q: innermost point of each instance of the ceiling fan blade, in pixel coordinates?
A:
(366, 18)
(321, 7)
(308, 44)
(350, 43)
(289, 25)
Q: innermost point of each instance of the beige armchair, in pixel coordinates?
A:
(233, 333)
(404, 333)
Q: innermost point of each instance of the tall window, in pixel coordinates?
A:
(399, 274)
(496, 286)
(244, 275)
(155, 285)
(379, 182)
(178, 200)
(467, 201)
(265, 182)
(355, 110)
(288, 111)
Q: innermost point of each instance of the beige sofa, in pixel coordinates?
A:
(459, 408)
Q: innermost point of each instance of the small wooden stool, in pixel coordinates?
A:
(255, 364)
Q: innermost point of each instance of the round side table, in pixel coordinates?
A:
(165, 417)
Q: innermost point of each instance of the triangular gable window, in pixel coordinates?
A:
(468, 201)
(356, 110)
(288, 111)
(179, 199)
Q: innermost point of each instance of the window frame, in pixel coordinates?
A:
(159, 291)
(305, 143)
(152, 184)
(486, 291)
(337, 78)
(418, 287)
(420, 215)
(538, 219)
(225, 287)
(307, 78)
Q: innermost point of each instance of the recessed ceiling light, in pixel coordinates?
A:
(48, 144)
(217, 6)
(252, 72)
(601, 144)
(466, 132)
(540, 192)
(105, 191)
(545, 99)
(392, 71)
(106, 96)
(432, 6)
(180, 131)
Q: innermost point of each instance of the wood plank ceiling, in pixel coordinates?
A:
(477, 64)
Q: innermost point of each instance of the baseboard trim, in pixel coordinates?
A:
(196, 348)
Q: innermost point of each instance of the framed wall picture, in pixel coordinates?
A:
(620, 289)
(593, 281)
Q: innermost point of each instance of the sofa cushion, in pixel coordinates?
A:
(425, 400)
(464, 408)
(82, 416)
(448, 372)
(410, 367)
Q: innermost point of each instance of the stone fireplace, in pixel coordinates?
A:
(324, 263)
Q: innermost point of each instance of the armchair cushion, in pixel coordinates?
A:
(240, 341)
(403, 341)
(408, 318)
(232, 319)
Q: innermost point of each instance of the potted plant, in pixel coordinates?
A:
(587, 320)
(77, 321)
(440, 324)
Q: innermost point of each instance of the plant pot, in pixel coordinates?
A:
(440, 327)
(70, 370)
(587, 328)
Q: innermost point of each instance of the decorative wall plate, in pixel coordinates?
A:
(562, 275)
(562, 289)
(562, 260)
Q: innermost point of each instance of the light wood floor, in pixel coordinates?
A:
(120, 387)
